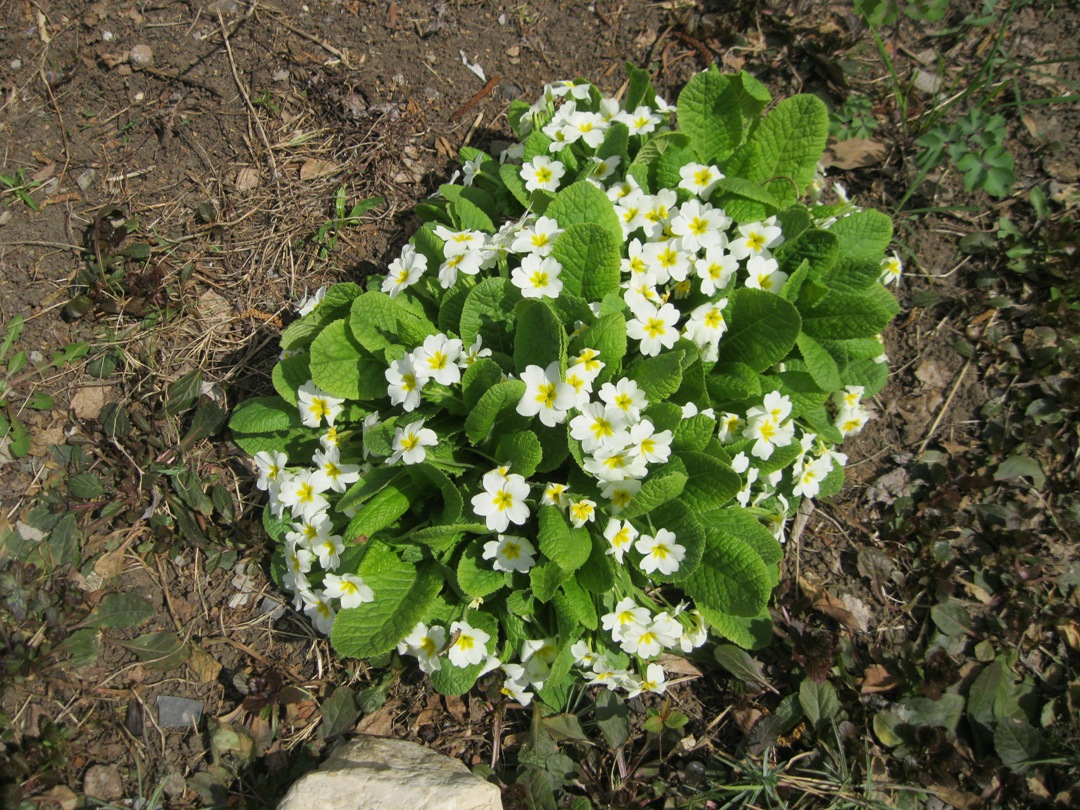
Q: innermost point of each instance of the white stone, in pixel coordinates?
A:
(375, 773)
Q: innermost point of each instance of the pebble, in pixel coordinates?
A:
(223, 7)
(178, 712)
(103, 782)
(280, 76)
(15, 64)
(142, 57)
(106, 36)
(85, 179)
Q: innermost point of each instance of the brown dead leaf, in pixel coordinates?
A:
(811, 584)
(317, 167)
(677, 665)
(456, 706)
(247, 178)
(203, 665)
(877, 679)
(747, 718)
(42, 440)
(110, 564)
(849, 611)
(959, 799)
(63, 796)
(1070, 632)
(379, 723)
(855, 153)
(89, 400)
(933, 374)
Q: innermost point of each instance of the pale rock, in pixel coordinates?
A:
(142, 57)
(374, 773)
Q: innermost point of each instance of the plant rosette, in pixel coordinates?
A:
(563, 435)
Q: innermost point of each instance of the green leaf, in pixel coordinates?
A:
(662, 485)
(762, 329)
(335, 362)
(819, 363)
(475, 575)
(863, 235)
(567, 549)
(452, 680)
(746, 189)
(520, 450)
(478, 378)
(540, 338)
(339, 712)
(161, 650)
(510, 174)
(545, 578)
(85, 486)
(845, 315)
(694, 433)
(738, 662)
(182, 394)
(1016, 742)
(289, 374)
(820, 249)
(731, 578)
(378, 321)
(403, 593)
(612, 717)
(81, 647)
(489, 312)
(818, 700)
(590, 257)
(120, 610)
(791, 141)
(751, 633)
(580, 602)
(659, 376)
(710, 484)
(597, 575)
(382, 509)
(497, 402)
(732, 382)
(852, 275)
(708, 115)
(265, 415)
(583, 203)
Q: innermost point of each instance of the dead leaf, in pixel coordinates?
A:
(933, 374)
(379, 723)
(89, 400)
(203, 665)
(110, 564)
(1070, 632)
(877, 680)
(42, 440)
(44, 173)
(63, 796)
(677, 665)
(855, 153)
(849, 611)
(959, 799)
(317, 167)
(248, 178)
(811, 584)
(456, 706)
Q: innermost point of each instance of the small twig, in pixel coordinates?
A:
(472, 102)
(247, 101)
(311, 38)
(944, 408)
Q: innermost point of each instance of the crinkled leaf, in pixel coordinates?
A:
(488, 311)
(498, 402)
(731, 578)
(590, 257)
(475, 575)
(568, 548)
(762, 328)
(521, 450)
(791, 140)
(540, 338)
(582, 203)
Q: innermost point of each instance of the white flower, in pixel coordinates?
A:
(473, 353)
(729, 426)
(654, 327)
(554, 495)
(538, 277)
(765, 274)
(328, 549)
(404, 271)
(510, 553)
(850, 397)
(316, 404)
(502, 502)
(626, 614)
(404, 384)
(598, 425)
(768, 433)
(538, 238)
(330, 473)
(699, 179)
(310, 302)
(642, 640)
(468, 647)
(658, 212)
(619, 493)
(270, 465)
(621, 536)
(589, 126)
(808, 477)
(410, 441)
(425, 643)
(349, 588)
(627, 186)
(584, 655)
(653, 447)
(661, 552)
(715, 270)
(514, 687)
(546, 394)
(436, 359)
(891, 268)
(542, 173)
(319, 611)
(653, 680)
(666, 260)
(468, 263)
(581, 512)
(641, 121)
(615, 464)
(755, 238)
(581, 382)
(456, 243)
(302, 496)
(699, 226)
(587, 362)
(626, 396)
(850, 421)
(774, 404)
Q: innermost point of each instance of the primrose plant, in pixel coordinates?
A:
(563, 435)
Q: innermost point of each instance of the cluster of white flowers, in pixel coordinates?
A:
(298, 495)
(681, 262)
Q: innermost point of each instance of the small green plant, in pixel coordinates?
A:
(17, 185)
(326, 237)
(854, 119)
(975, 145)
(566, 430)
